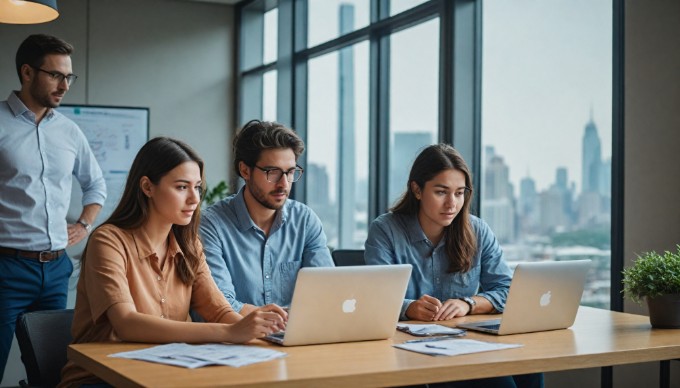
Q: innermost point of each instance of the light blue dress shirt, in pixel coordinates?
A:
(250, 267)
(37, 164)
(399, 239)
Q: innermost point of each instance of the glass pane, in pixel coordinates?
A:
(337, 144)
(398, 6)
(268, 96)
(328, 19)
(546, 130)
(271, 26)
(414, 99)
(259, 34)
(251, 98)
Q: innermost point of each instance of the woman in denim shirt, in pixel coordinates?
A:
(458, 266)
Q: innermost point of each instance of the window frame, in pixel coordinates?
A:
(459, 91)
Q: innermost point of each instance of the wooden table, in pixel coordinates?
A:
(598, 338)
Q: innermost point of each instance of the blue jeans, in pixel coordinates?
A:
(29, 285)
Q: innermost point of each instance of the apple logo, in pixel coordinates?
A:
(545, 299)
(349, 305)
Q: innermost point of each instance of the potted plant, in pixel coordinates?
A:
(212, 195)
(656, 278)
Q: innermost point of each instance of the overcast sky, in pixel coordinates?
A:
(546, 63)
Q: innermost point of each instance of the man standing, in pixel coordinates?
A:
(256, 240)
(39, 151)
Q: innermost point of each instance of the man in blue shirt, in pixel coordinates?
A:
(40, 150)
(256, 240)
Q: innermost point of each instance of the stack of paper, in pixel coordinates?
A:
(421, 330)
(196, 356)
(453, 347)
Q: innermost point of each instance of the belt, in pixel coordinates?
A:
(41, 256)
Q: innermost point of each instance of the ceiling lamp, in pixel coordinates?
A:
(28, 11)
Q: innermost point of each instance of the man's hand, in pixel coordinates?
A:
(424, 309)
(274, 308)
(76, 233)
(450, 309)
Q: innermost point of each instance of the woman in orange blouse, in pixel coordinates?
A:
(144, 268)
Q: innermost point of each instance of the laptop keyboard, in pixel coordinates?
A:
(495, 326)
(278, 335)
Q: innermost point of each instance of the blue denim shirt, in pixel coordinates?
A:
(250, 267)
(399, 239)
(37, 163)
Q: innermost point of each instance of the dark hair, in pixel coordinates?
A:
(459, 237)
(33, 50)
(154, 160)
(257, 136)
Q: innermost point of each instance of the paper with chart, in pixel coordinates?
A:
(196, 356)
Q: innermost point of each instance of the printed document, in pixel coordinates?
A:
(423, 330)
(196, 356)
(453, 347)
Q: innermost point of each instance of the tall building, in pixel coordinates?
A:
(346, 146)
(318, 198)
(528, 210)
(498, 206)
(591, 159)
(561, 187)
(405, 148)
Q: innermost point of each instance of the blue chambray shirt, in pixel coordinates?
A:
(37, 164)
(250, 267)
(399, 239)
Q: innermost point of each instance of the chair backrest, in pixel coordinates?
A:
(43, 337)
(343, 257)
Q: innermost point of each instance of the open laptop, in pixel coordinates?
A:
(543, 296)
(344, 304)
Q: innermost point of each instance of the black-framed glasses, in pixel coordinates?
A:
(59, 77)
(274, 174)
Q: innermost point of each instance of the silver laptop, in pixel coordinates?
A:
(343, 304)
(543, 296)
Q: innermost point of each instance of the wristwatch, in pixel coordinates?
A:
(87, 226)
(471, 302)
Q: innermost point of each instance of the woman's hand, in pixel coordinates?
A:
(424, 309)
(255, 325)
(450, 309)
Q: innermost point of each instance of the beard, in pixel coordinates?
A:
(40, 96)
(261, 197)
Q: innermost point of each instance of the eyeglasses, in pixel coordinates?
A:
(59, 77)
(275, 174)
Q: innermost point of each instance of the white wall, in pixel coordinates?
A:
(175, 57)
(652, 147)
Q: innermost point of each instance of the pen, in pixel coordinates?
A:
(431, 339)
(436, 347)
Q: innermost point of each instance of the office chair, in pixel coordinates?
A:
(43, 337)
(344, 257)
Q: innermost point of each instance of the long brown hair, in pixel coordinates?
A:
(459, 237)
(154, 160)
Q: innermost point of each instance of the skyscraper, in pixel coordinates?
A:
(498, 206)
(346, 146)
(405, 148)
(592, 159)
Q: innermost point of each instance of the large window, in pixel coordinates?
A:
(414, 106)
(337, 144)
(522, 88)
(547, 132)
